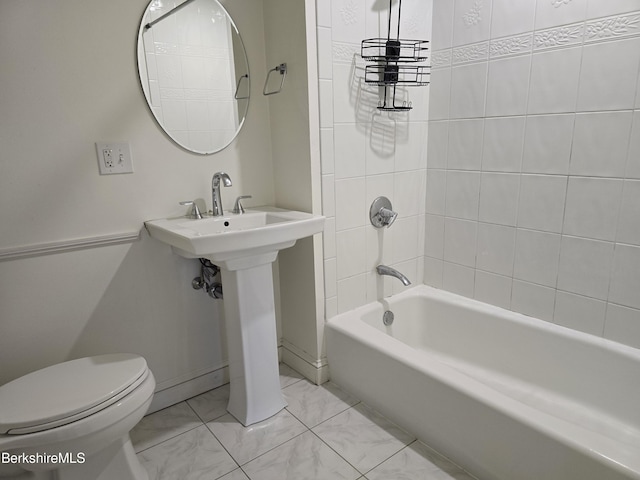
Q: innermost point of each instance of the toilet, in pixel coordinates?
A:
(71, 421)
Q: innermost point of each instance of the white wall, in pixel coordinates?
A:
(68, 79)
(533, 185)
(366, 154)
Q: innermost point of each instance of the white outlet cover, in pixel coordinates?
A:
(114, 158)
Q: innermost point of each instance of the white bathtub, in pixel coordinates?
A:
(505, 396)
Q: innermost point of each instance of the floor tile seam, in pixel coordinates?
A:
(339, 455)
(169, 438)
(268, 451)
(222, 445)
(326, 419)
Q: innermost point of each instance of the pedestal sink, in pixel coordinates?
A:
(244, 247)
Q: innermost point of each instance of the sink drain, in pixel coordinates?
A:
(387, 318)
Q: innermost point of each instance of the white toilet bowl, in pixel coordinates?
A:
(71, 421)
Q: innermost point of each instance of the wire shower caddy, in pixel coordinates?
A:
(394, 62)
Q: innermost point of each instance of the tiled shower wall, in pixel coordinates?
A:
(366, 154)
(533, 175)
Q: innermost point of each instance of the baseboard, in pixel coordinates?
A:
(189, 388)
(316, 371)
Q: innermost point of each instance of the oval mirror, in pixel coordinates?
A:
(194, 72)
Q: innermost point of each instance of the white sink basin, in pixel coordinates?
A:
(258, 234)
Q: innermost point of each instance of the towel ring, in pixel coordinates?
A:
(282, 69)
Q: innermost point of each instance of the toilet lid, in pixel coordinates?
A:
(47, 397)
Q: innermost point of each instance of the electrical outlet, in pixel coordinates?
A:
(114, 158)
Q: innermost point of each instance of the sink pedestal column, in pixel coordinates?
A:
(252, 342)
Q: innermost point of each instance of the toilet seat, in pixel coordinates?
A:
(68, 392)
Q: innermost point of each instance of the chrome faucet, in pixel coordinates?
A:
(216, 200)
(384, 270)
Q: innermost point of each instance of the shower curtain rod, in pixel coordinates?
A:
(170, 12)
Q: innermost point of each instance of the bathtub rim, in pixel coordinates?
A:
(593, 444)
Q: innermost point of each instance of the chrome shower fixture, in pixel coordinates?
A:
(381, 213)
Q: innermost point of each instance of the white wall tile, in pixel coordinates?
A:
(493, 289)
(508, 86)
(600, 143)
(433, 269)
(625, 281)
(553, 87)
(351, 208)
(502, 144)
(407, 188)
(458, 279)
(434, 236)
(348, 20)
(437, 144)
(346, 93)
(440, 94)
(580, 313)
(380, 145)
(326, 150)
(585, 266)
(323, 13)
(622, 325)
(533, 300)
(349, 150)
(379, 186)
(463, 194)
(598, 8)
(468, 85)
(460, 241)
(536, 257)
(499, 198)
(609, 75)
(629, 219)
(328, 196)
(465, 144)
(352, 292)
(633, 157)
(410, 149)
(496, 248)
(471, 21)
(436, 192)
(592, 207)
(325, 88)
(350, 256)
(547, 144)
(542, 200)
(405, 240)
(550, 13)
(330, 278)
(509, 17)
(325, 52)
(329, 237)
(378, 246)
(442, 24)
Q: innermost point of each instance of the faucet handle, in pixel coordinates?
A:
(195, 211)
(237, 207)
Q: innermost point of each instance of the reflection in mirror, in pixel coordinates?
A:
(194, 72)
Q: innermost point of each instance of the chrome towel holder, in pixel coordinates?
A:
(282, 70)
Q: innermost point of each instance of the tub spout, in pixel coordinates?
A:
(384, 270)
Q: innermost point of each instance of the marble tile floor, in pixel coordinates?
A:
(323, 434)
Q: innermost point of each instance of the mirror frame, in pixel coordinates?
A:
(142, 60)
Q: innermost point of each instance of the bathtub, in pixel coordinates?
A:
(505, 396)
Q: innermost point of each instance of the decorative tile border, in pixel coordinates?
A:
(501, 47)
(345, 52)
(558, 36)
(441, 58)
(471, 53)
(602, 29)
(613, 27)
